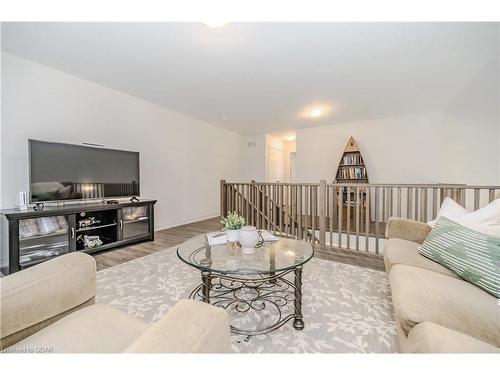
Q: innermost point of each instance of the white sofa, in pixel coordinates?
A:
(50, 308)
(435, 310)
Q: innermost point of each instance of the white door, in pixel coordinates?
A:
(276, 165)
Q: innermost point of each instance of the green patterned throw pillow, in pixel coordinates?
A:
(472, 255)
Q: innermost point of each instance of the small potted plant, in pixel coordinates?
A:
(232, 223)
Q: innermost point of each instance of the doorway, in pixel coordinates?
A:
(276, 165)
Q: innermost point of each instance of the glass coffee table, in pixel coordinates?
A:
(261, 291)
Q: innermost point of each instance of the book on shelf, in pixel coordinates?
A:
(352, 173)
(352, 159)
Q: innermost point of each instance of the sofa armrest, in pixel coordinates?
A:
(189, 327)
(406, 229)
(38, 296)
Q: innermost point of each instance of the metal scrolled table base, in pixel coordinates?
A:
(245, 294)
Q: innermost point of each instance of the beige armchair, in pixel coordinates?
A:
(50, 308)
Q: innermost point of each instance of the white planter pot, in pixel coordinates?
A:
(232, 235)
(248, 237)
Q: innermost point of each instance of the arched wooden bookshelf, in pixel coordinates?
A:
(352, 170)
(351, 167)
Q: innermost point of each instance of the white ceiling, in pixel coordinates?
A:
(262, 76)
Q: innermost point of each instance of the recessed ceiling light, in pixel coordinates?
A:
(290, 138)
(214, 23)
(316, 112)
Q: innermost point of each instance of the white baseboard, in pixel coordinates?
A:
(162, 226)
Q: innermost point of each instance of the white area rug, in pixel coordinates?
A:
(347, 309)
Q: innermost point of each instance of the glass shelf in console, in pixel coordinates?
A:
(42, 238)
(272, 257)
(135, 221)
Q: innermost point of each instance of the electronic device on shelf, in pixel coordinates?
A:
(22, 201)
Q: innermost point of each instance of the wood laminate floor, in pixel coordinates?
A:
(171, 237)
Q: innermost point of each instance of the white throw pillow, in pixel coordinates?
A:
(485, 220)
(450, 210)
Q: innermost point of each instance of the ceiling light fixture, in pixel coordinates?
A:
(316, 112)
(290, 138)
(214, 23)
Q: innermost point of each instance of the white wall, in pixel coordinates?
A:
(396, 150)
(182, 159)
(253, 166)
(471, 145)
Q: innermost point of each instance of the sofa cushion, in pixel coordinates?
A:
(450, 209)
(94, 329)
(398, 251)
(192, 326)
(472, 255)
(421, 295)
(428, 337)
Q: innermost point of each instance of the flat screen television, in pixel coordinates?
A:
(60, 171)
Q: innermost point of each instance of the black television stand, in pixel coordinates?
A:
(34, 236)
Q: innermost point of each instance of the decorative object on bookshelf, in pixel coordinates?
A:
(352, 167)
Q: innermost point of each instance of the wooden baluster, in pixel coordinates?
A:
(357, 202)
(281, 208)
(294, 210)
(265, 206)
(348, 205)
(299, 211)
(491, 195)
(252, 202)
(322, 205)
(376, 220)
(275, 206)
(287, 209)
(384, 218)
(434, 202)
(417, 204)
(242, 200)
(306, 209)
(462, 196)
(340, 207)
(367, 218)
(332, 210)
(223, 198)
(425, 203)
(314, 210)
(409, 204)
(398, 207)
(391, 202)
(476, 198)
